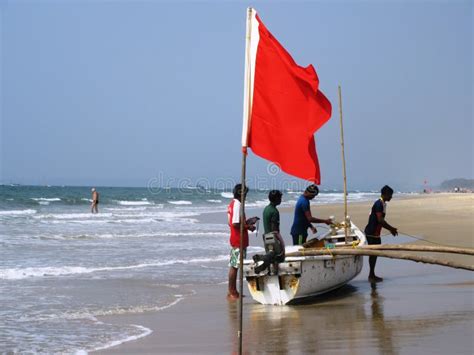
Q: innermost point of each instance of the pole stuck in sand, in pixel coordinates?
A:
(246, 124)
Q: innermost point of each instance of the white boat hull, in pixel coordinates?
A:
(303, 276)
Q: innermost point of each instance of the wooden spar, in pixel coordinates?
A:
(346, 222)
(315, 244)
(246, 122)
(424, 248)
(380, 253)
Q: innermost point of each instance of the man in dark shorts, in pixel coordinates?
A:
(271, 224)
(374, 227)
(303, 218)
(95, 201)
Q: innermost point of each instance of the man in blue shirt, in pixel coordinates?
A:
(303, 218)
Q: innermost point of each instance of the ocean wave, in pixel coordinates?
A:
(176, 214)
(78, 236)
(127, 209)
(80, 216)
(181, 202)
(117, 310)
(135, 203)
(146, 332)
(121, 220)
(51, 271)
(46, 199)
(227, 194)
(126, 221)
(17, 212)
(261, 203)
(112, 311)
(333, 197)
(191, 234)
(77, 221)
(157, 215)
(253, 249)
(214, 201)
(137, 235)
(137, 309)
(109, 217)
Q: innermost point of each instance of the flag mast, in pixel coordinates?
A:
(246, 124)
(346, 217)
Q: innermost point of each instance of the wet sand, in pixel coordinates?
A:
(418, 308)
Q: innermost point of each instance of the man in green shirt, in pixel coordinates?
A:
(271, 225)
(271, 216)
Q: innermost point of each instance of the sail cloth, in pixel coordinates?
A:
(286, 106)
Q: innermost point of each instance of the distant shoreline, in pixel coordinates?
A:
(434, 189)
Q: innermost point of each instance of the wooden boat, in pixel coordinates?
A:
(300, 277)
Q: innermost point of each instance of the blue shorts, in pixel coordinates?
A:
(299, 239)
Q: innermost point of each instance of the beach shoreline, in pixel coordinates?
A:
(206, 322)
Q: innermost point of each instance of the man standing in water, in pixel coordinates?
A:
(303, 218)
(233, 215)
(374, 227)
(95, 201)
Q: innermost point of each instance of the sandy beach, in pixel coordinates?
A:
(418, 308)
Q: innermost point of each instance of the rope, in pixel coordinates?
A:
(415, 237)
(429, 241)
(341, 225)
(329, 251)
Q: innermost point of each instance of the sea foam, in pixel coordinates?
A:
(227, 194)
(46, 199)
(181, 202)
(135, 203)
(17, 212)
(23, 273)
(146, 331)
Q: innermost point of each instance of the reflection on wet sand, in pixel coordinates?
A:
(310, 326)
(348, 320)
(381, 330)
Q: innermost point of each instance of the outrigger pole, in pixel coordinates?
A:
(371, 251)
(246, 124)
(346, 218)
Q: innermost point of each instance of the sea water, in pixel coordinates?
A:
(61, 267)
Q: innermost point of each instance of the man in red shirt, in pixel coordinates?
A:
(233, 215)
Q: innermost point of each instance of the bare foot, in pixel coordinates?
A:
(375, 279)
(233, 296)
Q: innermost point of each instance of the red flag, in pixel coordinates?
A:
(286, 106)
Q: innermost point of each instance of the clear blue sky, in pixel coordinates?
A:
(117, 92)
